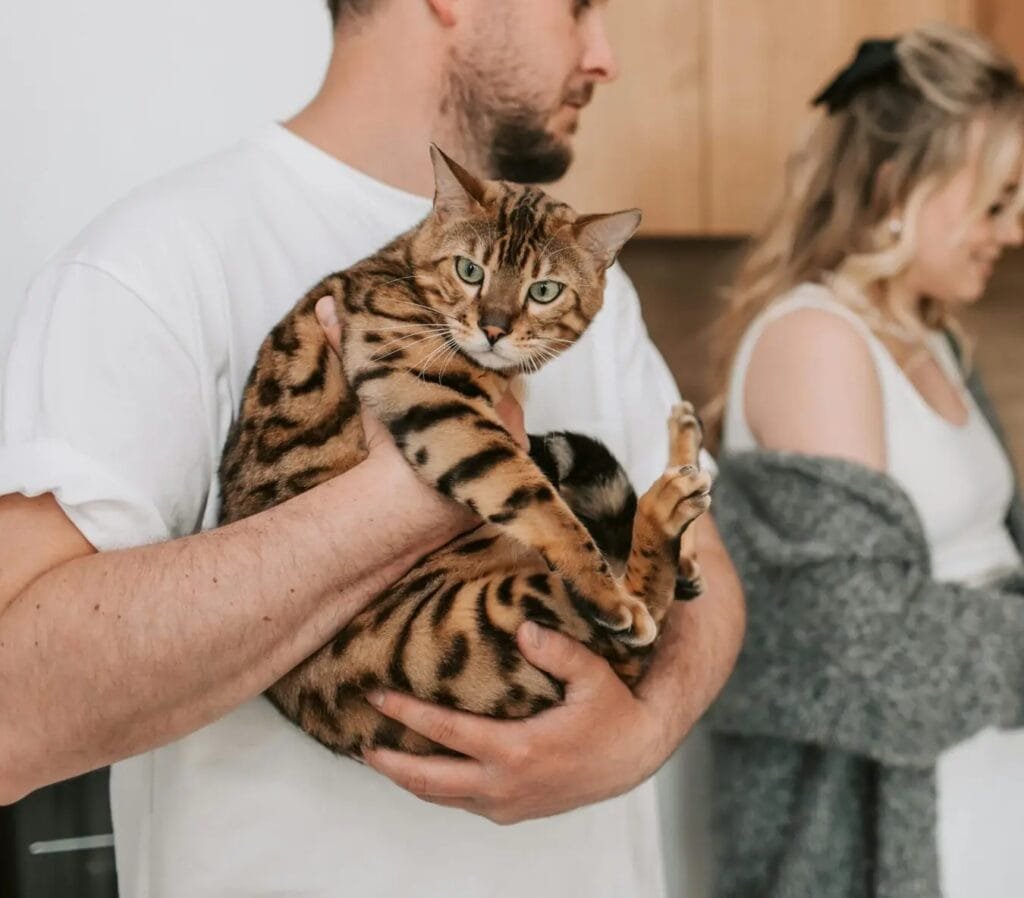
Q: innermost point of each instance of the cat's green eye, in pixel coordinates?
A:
(546, 291)
(469, 271)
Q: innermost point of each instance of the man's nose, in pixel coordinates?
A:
(599, 60)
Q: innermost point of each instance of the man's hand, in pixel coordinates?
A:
(601, 742)
(604, 739)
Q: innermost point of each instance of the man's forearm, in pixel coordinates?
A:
(699, 644)
(112, 654)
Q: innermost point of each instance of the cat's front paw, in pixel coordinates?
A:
(685, 435)
(678, 498)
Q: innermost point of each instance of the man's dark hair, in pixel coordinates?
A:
(339, 8)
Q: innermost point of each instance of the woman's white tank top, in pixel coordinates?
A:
(957, 476)
(960, 481)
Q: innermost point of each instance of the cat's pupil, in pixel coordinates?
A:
(468, 270)
(545, 291)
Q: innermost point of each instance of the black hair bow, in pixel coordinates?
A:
(876, 60)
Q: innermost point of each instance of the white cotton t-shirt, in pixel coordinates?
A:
(126, 369)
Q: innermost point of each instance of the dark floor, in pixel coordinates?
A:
(680, 282)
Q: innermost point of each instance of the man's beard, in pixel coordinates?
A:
(525, 152)
(508, 136)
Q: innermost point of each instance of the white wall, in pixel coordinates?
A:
(98, 96)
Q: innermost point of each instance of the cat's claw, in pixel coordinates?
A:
(632, 623)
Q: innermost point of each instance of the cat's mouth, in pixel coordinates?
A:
(498, 357)
(493, 357)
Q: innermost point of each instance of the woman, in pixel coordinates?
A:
(868, 502)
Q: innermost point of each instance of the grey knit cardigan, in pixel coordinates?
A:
(857, 672)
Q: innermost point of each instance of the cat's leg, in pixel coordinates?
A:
(662, 555)
(449, 432)
(594, 485)
(686, 436)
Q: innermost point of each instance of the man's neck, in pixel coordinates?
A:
(379, 112)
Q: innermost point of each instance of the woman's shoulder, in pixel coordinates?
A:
(812, 382)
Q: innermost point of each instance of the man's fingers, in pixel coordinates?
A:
(431, 778)
(561, 656)
(375, 433)
(511, 414)
(327, 315)
(468, 734)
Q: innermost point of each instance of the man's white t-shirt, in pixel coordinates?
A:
(127, 367)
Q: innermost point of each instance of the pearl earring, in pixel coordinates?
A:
(895, 226)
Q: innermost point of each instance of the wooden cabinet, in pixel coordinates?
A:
(714, 95)
(767, 60)
(1003, 22)
(638, 143)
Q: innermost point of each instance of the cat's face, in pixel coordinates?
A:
(516, 275)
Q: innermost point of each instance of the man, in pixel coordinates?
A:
(153, 651)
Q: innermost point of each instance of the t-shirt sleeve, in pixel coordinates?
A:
(640, 365)
(103, 407)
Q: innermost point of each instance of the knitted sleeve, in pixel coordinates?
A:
(850, 643)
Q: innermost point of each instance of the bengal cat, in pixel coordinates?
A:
(498, 279)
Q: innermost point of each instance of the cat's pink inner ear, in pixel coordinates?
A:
(456, 191)
(604, 235)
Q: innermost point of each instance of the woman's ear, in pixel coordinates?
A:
(881, 192)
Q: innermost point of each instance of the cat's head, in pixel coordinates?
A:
(516, 275)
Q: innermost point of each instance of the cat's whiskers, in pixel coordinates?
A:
(402, 345)
(545, 340)
(410, 328)
(422, 308)
(561, 252)
(479, 236)
(449, 358)
(425, 362)
(408, 277)
(540, 355)
(547, 243)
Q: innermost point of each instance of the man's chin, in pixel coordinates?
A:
(530, 156)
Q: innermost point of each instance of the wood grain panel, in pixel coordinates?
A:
(765, 61)
(639, 141)
(1002, 21)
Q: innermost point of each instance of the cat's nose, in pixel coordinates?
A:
(493, 334)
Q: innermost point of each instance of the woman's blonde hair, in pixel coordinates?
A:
(889, 147)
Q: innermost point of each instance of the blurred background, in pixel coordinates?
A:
(713, 96)
(100, 97)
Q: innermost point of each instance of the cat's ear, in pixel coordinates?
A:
(456, 192)
(604, 235)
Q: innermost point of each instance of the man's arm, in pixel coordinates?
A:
(105, 655)
(603, 740)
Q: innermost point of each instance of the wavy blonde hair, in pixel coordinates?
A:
(890, 148)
